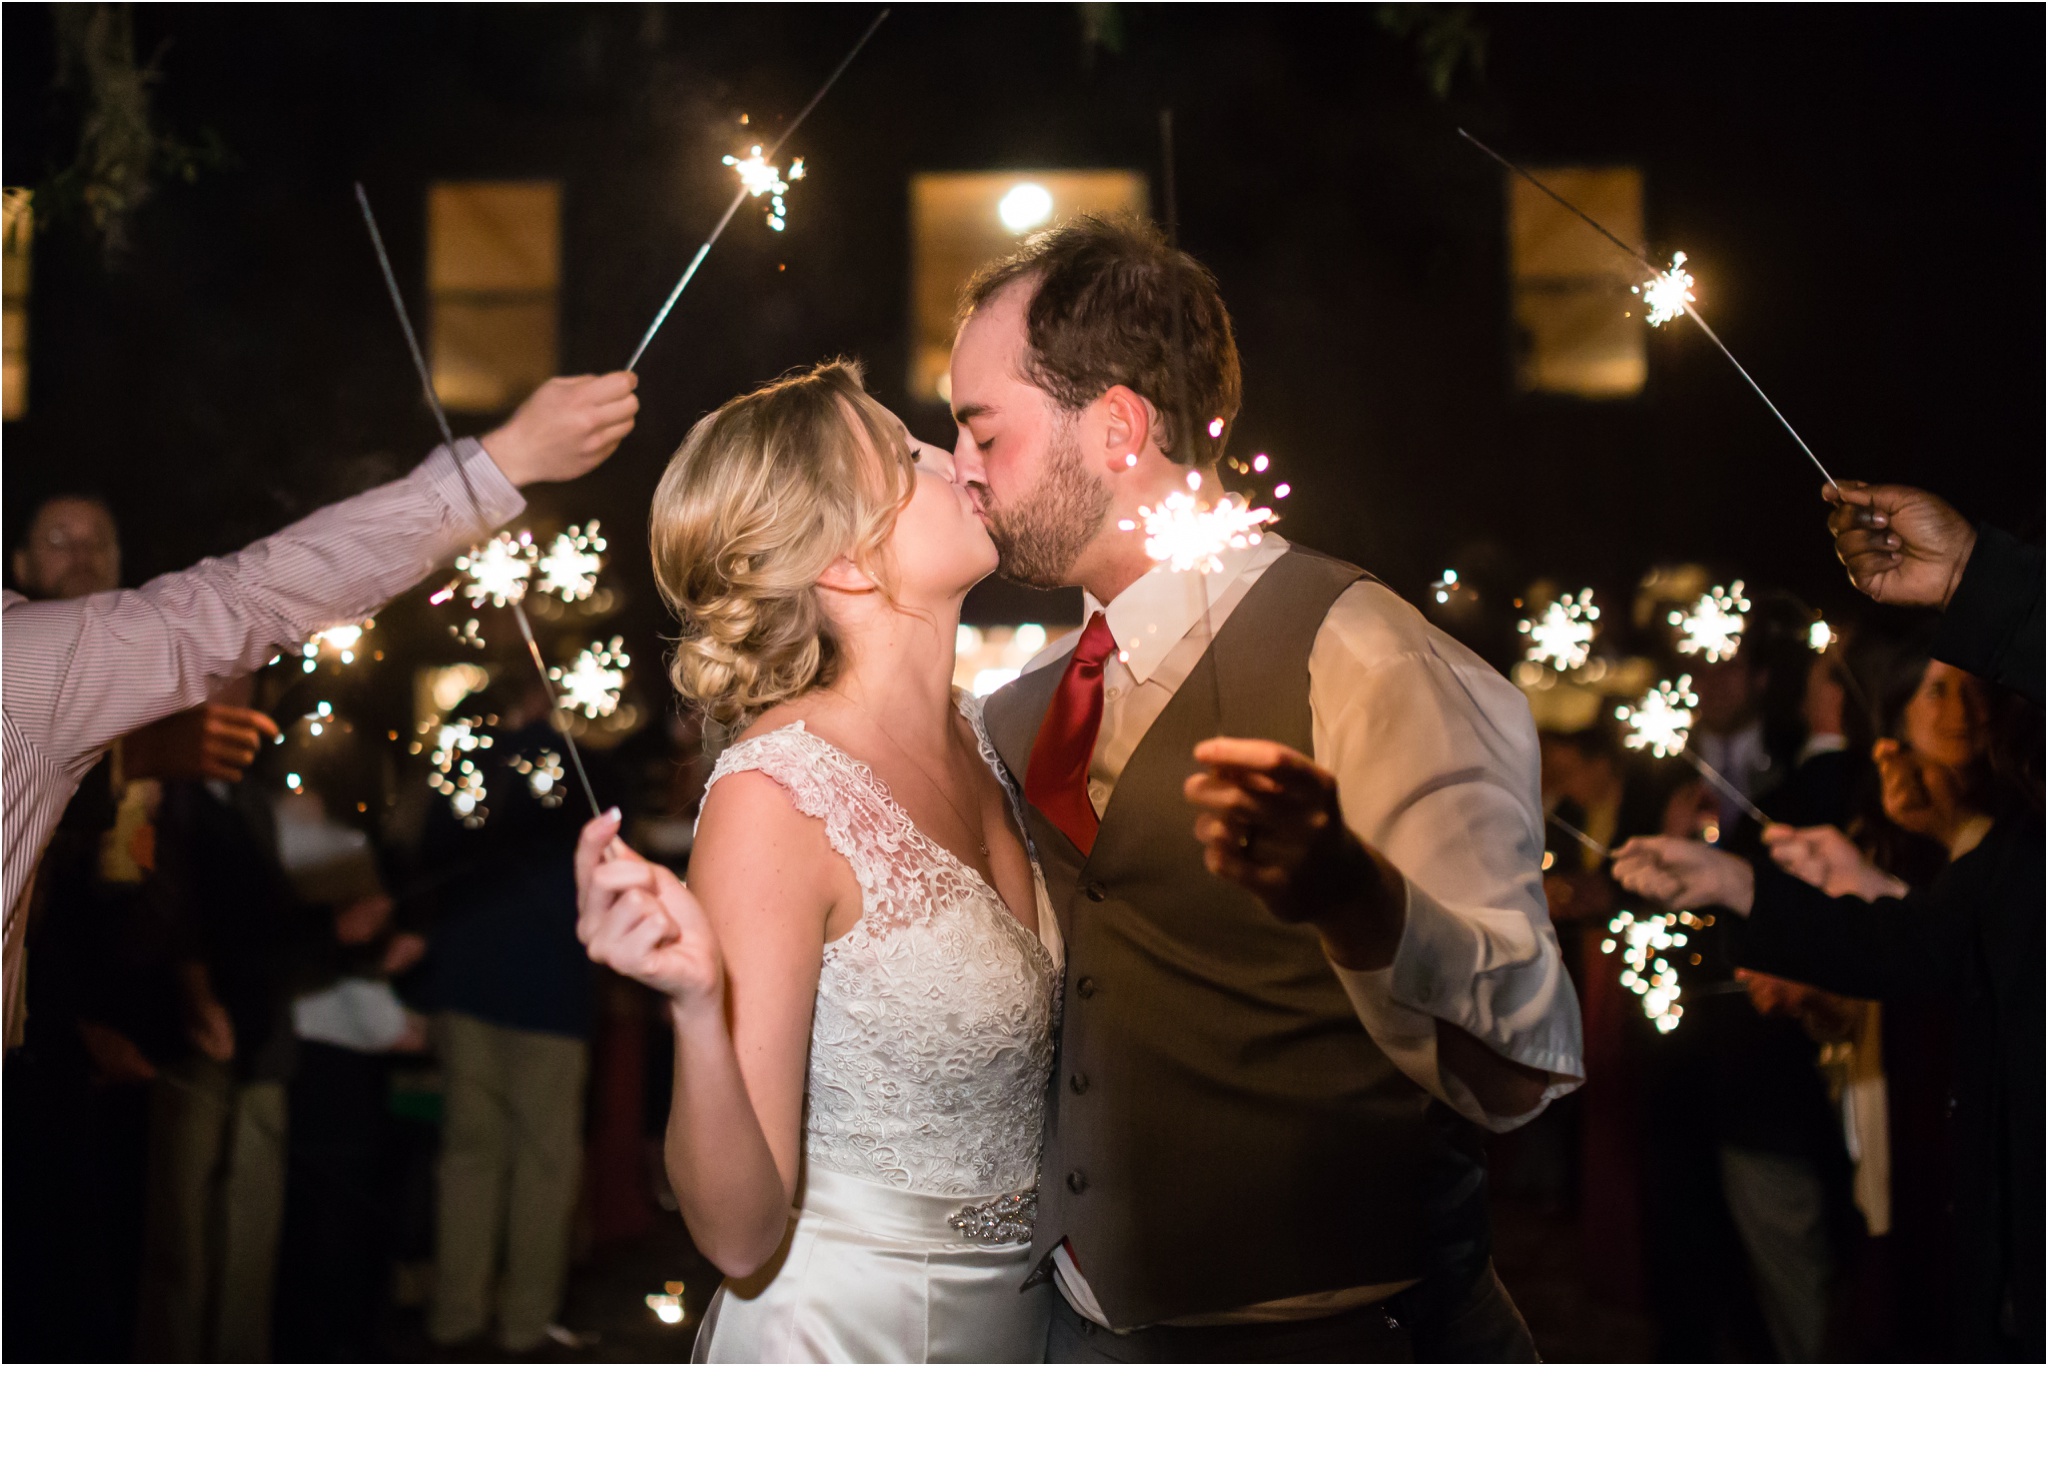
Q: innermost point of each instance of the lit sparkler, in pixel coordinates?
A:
(426, 379)
(339, 642)
(746, 191)
(1667, 293)
(570, 566)
(319, 720)
(1181, 535)
(593, 683)
(1713, 627)
(1563, 634)
(543, 775)
(1662, 721)
(455, 774)
(499, 570)
(1820, 636)
(1643, 942)
(758, 176)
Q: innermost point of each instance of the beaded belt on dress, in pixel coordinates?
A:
(919, 1217)
(1003, 1221)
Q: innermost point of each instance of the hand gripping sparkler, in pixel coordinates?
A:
(1671, 293)
(746, 190)
(419, 362)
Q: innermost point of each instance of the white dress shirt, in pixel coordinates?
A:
(1436, 763)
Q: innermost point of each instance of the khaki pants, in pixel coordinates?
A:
(511, 1153)
(216, 1200)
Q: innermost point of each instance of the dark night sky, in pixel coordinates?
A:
(1863, 185)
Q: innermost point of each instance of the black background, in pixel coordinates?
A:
(1860, 189)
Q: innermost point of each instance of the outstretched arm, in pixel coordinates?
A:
(1859, 945)
(80, 673)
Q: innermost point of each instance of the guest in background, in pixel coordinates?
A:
(250, 942)
(511, 991)
(1975, 935)
(1590, 784)
(78, 1095)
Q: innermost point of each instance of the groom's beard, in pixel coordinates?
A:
(1040, 536)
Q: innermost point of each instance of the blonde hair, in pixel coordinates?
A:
(762, 497)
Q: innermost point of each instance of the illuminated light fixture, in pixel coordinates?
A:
(1024, 206)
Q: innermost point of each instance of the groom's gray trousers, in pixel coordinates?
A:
(1450, 1319)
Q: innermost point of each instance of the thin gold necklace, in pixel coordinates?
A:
(972, 827)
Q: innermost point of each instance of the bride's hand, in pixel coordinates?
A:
(636, 918)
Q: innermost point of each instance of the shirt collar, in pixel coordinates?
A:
(1155, 611)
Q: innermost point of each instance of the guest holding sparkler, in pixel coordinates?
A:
(1907, 547)
(1974, 936)
(81, 672)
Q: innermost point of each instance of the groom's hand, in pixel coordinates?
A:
(1270, 821)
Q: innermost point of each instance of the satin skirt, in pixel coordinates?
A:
(873, 1275)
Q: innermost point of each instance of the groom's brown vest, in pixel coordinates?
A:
(1221, 1131)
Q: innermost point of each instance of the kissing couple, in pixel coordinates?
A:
(1063, 1026)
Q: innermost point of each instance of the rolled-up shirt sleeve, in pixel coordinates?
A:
(1436, 762)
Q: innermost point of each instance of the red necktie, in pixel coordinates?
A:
(1057, 779)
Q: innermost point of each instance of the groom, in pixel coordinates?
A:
(1282, 1039)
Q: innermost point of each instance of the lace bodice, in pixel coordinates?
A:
(933, 1032)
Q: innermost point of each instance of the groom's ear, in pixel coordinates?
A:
(1127, 424)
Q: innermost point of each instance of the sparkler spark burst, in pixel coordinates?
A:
(1667, 295)
(339, 642)
(762, 177)
(1662, 721)
(455, 774)
(1563, 634)
(1646, 971)
(1181, 535)
(1713, 627)
(570, 566)
(543, 777)
(498, 572)
(1820, 636)
(593, 683)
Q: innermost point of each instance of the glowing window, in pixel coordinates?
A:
(19, 231)
(494, 260)
(961, 221)
(1578, 330)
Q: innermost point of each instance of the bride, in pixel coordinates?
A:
(859, 974)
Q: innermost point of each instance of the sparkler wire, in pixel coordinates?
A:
(739, 198)
(1642, 257)
(1580, 835)
(419, 362)
(1714, 776)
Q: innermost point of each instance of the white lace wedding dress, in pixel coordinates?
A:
(930, 1047)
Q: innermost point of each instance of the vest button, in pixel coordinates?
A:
(1085, 987)
(1096, 891)
(1078, 1082)
(1076, 1182)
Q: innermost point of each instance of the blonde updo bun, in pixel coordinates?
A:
(762, 497)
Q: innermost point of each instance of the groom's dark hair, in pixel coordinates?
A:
(1102, 315)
